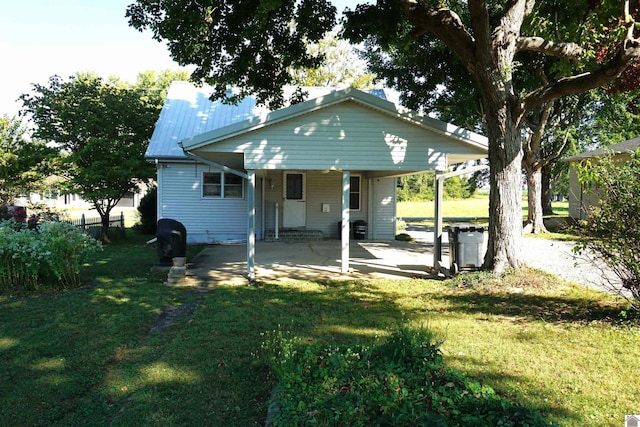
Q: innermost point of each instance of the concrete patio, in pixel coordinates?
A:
(320, 260)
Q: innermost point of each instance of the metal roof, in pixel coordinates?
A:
(374, 101)
(623, 147)
(188, 112)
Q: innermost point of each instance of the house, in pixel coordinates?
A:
(57, 199)
(242, 172)
(580, 198)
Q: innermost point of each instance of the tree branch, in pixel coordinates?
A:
(445, 25)
(480, 24)
(559, 49)
(628, 52)
(558, 152)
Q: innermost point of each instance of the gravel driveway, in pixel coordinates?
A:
(553, 256)
(556, 257)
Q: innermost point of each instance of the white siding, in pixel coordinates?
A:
(384, 208)
(322, 188)
(207, 220)
(345, 136)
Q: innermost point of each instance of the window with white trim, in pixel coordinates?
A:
(354, 193)
(222, 185)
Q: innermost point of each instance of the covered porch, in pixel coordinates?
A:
(318, 261)
(340, 139)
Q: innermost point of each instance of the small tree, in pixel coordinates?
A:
(103, 129)
(613, 230)
(24, 164)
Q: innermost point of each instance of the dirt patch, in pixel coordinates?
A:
(171, 314)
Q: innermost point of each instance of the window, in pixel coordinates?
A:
(221, 185)
(294, 186)
(354, 193)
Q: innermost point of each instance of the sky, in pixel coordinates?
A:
(42, 38)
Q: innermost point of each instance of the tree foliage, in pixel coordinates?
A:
(102, 128)
(24, 163)
(253, 44)
(421, 187)
(612, 226)
(341, 66)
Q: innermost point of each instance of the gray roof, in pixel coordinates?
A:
(188, 112)
(624, 147)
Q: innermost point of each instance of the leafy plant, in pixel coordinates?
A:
(612, 230)
(402, 381)
(49, 256)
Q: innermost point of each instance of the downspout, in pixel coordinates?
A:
(159, 190)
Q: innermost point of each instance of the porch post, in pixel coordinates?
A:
(437, 226)
(251, 224)
(344, 235)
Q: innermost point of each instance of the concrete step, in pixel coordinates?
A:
(294, 235)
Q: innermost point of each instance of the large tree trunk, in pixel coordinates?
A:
(547, 209)
(535, 222)
(505, 194)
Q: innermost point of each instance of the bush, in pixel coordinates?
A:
(148, 212)
(401, 382)
(49, 256)
(612, 228)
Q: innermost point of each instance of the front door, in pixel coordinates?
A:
(294, 212)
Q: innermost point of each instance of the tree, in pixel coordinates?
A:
(24, 164)
(155, 85)
(102, 129)
(550, 133)
(341, 66)
(253, 43)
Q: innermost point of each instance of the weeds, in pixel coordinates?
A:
(402, 381)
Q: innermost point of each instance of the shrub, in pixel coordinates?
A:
(612, 228)
(148, 212)
(49, 256)
(22, 257)
(68, 249)
(401, 382)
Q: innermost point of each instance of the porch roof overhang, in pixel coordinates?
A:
(433, 143)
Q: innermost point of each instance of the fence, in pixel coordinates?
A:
(84, 223)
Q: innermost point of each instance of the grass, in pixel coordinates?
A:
(90, 356)
(474, 209)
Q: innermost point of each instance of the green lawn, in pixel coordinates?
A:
(90, 356)
(474, 209)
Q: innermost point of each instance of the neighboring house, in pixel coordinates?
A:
(231, 172)
(55, 199)
(581, 196)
